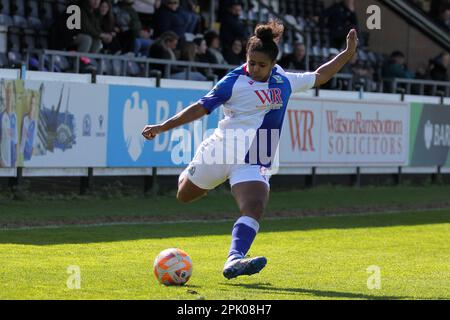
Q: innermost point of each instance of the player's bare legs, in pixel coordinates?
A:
(251, 198)
(188, 191)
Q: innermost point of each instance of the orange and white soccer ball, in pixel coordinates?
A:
(172, 267)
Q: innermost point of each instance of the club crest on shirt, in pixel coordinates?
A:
(278, 79)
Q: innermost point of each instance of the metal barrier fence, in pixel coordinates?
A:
(52, 56)
(341, 80)
(421, 87)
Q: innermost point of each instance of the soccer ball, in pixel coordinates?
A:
(172, 267)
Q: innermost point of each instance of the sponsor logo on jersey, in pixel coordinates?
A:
(271, 99)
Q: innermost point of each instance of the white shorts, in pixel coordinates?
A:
(208, 176)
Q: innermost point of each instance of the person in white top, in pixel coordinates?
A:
(254, 97)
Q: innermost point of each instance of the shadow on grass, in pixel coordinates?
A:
(94, 234)
(311, 293)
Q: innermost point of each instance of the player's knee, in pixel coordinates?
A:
(183, 197)
(253, 207)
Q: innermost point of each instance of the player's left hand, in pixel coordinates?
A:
(352, 41)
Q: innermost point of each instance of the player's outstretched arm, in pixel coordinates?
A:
(187, 115)
(326, 71)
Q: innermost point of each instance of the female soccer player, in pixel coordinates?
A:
(254, 97)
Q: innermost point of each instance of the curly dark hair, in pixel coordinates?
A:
(266, 38)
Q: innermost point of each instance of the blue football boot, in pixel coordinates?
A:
(243, 266)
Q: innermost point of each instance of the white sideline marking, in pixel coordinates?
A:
(108, 224)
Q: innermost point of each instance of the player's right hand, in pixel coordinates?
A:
(352, 41)
(150, 131)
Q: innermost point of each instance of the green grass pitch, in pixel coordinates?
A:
(308, 258)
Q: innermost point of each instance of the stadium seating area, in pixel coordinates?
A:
(27, 26)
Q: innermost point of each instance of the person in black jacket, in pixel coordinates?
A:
(108, 25)
(132, 37)
(192, 19)
(91, 35)
(444, 18)
(235, 56)
(169, 17)
(213, 48)
(163, 48)
(295, 60)
(213, 53)
(439, 67)
(231, 27)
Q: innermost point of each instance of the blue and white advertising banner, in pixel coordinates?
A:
(131, 108)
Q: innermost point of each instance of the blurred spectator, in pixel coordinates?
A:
(204, 56)
(170, 18)
(91, 36)
(437, 6)
(146, 10)
(131, 35)
(236, 55)
(213, 53)
(190, 10)
(200, 49)
(421, 71)
(396, 67)
(439, 67)
(231, 27)
(191, 52)
(444, 17)
(143, 43)
(164, 48)
(108, 26)
(296, 59)
(363, 74)
(340, 18)
(107, 20)
(188, 52)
